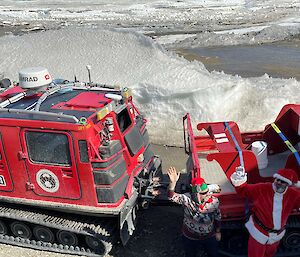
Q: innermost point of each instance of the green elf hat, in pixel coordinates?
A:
(199, 186)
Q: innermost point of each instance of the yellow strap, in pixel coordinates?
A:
(290, 146)
(287, 142)
(275, 127)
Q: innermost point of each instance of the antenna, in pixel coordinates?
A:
(89, 67)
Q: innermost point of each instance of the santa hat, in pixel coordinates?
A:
(287, 175)
(197, 181)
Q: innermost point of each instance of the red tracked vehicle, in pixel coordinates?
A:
(75, 164)
(216, 155)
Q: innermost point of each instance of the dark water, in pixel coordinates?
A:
(279, 60)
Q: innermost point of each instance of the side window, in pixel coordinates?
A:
(83, 151)
(124, 120)
(46, 147)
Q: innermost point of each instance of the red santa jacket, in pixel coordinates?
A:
(270, 208)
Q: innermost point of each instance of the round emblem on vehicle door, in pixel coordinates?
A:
(47, 180)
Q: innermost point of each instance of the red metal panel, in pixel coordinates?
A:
(84, 101)
(6, 183)
(13, 156)
(288, 122)
(221, 136)
(10, 92)
(232, 206)
(292, 163)
(204, 143)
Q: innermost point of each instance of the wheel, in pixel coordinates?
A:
(3, 228)
(20, 229)
(102, 243)
(93, 242)
(98, 246)
(66, 238)
(43, 234)
(292, 240)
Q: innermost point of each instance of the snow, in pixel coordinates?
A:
(105, 35)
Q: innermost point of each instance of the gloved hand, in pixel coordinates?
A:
(240, 171)
(214, 188)
(238, 177)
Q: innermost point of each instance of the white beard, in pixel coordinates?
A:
(279, 189)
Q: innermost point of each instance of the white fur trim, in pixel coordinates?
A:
(255, 233)
(238, 180)
(274, 238)
(276, 175)
(277, 210)
(297, 184)
(260, 237)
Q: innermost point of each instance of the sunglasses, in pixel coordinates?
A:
(280, 181)
(200, 189)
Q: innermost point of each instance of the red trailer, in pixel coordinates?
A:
(75, 164)
(216, 155)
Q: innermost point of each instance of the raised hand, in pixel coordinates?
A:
(174, 176)
(238, 177)
(240, 171)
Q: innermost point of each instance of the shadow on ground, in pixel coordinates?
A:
(157, 235)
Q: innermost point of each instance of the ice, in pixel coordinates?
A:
(244, 36)
(104, 34)
(166, 16)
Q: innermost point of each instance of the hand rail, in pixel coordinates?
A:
(190, 139)
(70, 118)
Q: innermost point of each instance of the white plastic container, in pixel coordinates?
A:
(260, 149)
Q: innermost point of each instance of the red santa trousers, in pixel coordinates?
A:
(255, 249)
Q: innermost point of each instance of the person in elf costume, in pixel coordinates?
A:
(201, 223)
(272, 203)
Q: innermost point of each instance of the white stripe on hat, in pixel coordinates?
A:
(276, 175)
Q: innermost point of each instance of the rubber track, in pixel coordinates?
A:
(85, 226)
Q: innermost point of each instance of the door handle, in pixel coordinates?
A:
(67, 173)
(22, 155)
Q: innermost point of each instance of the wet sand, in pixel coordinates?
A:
(278, 60)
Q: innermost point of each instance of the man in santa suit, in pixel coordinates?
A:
(271, 205)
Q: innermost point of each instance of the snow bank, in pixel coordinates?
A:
(165, 86)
